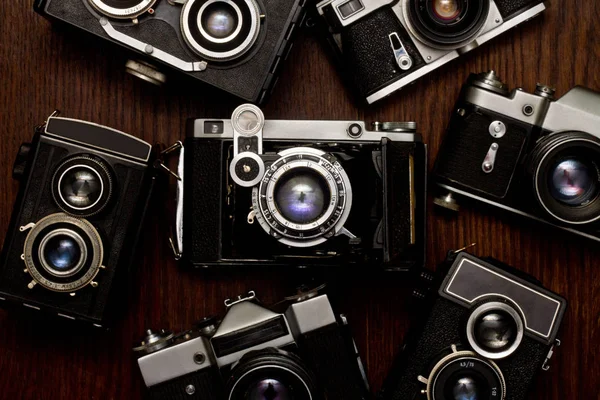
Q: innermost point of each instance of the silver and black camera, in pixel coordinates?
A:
(301, 193)
(303, 353)
(84, 191)
(384, 45)
(236, 45)
(530, 154)
(488, 329)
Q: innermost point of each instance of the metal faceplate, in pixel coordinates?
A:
(242, 315)
(577, 110)
(310, 315)
(175, 361)
(471, 280)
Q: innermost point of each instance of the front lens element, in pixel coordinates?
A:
(468, 386)
(573, 182)
(81, 187)
(302, 196)
(219, 20)
(495, 331)
(62, 253)
(269, 389)
(446, 10)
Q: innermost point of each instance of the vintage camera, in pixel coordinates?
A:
(384, 45)
(302, 193)
(83, 193)
(256, 353)
(487, 331)
(236, 45)
(526, 153)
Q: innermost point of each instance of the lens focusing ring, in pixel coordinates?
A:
(271, 365)
(481, 311)
(547, 151)
(238, 43)
(75, 278)
(443, 368)
(330, 221)
(129, 10)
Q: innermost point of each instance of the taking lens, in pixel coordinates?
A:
(81, 187)
(302, 196)
(495, 330)
(269, 389)
(219, 20)
(573, 181)
(62, 253)
(446, 24)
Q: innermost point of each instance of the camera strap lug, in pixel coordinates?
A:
(240, 299)
(41, 126)
(545, 365)
(176, 237)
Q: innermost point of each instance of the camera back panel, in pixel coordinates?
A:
(118, 223)
(250, 77)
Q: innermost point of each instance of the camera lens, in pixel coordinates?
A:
(269, 389)
(446, 10)
(122, 8)
(495, 330)
(221, 30)
(466, 386)
(573, 181)
(81, 187)
(219, 20)
(270, 374)
(446, 24)
(62, 252)
(302, 196)
(565, 173)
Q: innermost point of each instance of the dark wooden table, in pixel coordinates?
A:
(44, 67)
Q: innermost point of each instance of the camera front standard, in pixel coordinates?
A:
(301, 193)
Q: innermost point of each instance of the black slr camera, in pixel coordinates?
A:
(384, 45)
(302, 193)
(83, 194)
(236, 45)
(488, 330)
(526, 153)
(256, 353)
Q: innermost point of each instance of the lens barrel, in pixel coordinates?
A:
(446, 24)
(564, 169)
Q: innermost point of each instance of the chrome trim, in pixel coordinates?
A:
(151, 50)
(123, 13)
(97, 176)
(514, 210)
(494, 305)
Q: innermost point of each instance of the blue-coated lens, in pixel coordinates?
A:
(62, 253)
(302, 196)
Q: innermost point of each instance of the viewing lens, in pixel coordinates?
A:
(62, 253)
(446, 10)
(269, 389)
(573, 182)
(81, 187)
(495, 331)
(302, 196)
(219, 20)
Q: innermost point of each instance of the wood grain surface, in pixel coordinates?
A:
(44, 67)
